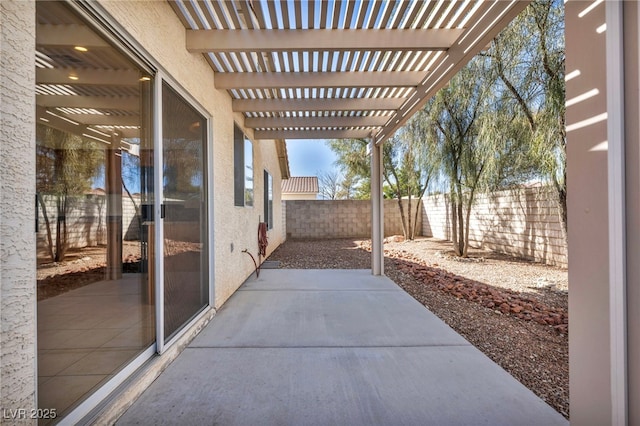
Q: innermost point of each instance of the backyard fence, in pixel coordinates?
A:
(523, 222)
(341, 218)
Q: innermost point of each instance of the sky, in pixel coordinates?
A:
(309, 157)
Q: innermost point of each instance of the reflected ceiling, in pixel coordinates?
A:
(83, 85)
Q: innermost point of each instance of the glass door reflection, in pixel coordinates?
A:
(184, 210)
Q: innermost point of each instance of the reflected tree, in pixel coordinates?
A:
(65, 167)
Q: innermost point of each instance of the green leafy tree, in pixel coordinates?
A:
(406, 171)
(528, 57)
(409, 166)
(458, 113)
(353, 161)
(348, 187)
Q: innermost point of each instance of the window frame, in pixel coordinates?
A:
(268, 198)
(243, 193)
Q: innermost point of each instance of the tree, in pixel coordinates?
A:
(406, 173)
(330, 183)
(348, 187)
(131, 173)
(529, 57)
(408, 168)
(66, 164)
(457, 113)
(420, 161)
(354, 163)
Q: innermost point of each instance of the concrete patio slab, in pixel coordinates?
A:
(323, 318)
(318, 279)
(357, 352)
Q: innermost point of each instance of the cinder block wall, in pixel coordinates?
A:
(341, 218)
(523, 222)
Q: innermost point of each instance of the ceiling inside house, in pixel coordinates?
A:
(323, 69)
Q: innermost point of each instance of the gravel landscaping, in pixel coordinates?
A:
(513, 310)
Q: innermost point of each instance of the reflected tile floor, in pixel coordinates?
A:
(86, 335)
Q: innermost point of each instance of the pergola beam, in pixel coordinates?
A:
(286, 80)
(313, 134)
(333, 104)
(259, 40)
(311, 122)
(91, 77)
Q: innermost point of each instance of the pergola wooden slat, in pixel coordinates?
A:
(411, 47)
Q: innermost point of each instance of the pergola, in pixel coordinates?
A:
(338, 69)
(294, 69)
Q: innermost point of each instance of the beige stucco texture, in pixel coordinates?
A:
(17, 174)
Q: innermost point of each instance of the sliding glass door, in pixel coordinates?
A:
(184, 207)
(94, 151)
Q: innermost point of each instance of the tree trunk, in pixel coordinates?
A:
(454, 225)
(460, 206)
(561, 198)
(404, 222)
(454, 219)
(409, 227)
(60, 228)
(415, 217)
(47, 224)
(461, 249)
(466, 234)
(472, 196)
(422, 192)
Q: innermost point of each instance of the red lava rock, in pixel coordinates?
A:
(502, 301)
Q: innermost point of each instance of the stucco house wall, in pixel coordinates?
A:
(299, 196)
(17, 184)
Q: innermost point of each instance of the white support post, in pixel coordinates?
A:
(377, 210)
(617, 211)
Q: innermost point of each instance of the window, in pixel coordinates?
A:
(248, 173)
(243, 169)
(268, 199)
